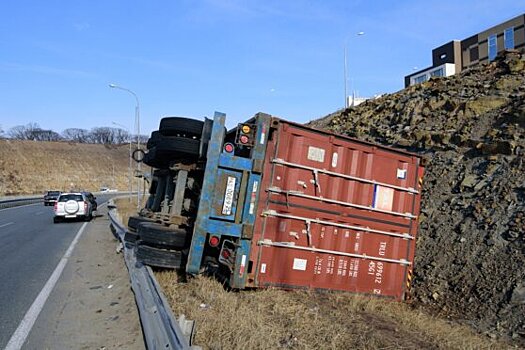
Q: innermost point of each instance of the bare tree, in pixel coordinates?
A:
(23, 132)
(44, 135)
(76, 135)
(121, 136)
(102, 135)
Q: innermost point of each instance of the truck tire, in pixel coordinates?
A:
(157, 257)
(173, 126)
(151, 160)
(153, 140)
(175, 147)
(170, 149)
(135, 220)
(162, 236)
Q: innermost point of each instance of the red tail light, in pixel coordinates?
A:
(228, 147)
(85, 207)
(214, 241)
(225, 254)
(244, 139)
(55, 206)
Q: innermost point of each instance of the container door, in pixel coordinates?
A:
(336, 213)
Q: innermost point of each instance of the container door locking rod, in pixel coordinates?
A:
(291, 245)
(345, 176)
(334, 201)
(335, 224)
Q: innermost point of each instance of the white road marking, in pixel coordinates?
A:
(20, 335)
(4, 225)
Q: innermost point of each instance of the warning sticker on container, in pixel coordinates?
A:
(243, 265)
(383, 198)
(299, 264)
(401, 173)
(263, 268)
(316, 154)
(253, 196)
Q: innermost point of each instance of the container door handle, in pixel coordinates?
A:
(316, 180)
(308, 232)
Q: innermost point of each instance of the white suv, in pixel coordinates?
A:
(72, 206)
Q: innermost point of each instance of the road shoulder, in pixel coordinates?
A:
(92, 305)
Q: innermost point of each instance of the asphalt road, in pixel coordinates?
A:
(31, 246)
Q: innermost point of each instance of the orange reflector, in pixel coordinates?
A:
(214, 241)
(246, 129)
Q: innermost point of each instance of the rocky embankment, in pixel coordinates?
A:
(470, 258)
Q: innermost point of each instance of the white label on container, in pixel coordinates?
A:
(316, 154)
(334, 159)
(401, 173)
(228, 196)
(299, 264)
(383, 198)
(263, 268)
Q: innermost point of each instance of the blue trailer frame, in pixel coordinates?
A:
(229, 196)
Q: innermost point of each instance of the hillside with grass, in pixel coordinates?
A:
(32, 167)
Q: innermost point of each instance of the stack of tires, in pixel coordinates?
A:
(176, 143)
(177, 139)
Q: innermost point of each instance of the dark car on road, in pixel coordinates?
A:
(50, 197)
(92, 199)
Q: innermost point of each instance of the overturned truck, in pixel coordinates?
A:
(273, 203)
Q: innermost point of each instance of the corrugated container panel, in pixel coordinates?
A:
(335, 213)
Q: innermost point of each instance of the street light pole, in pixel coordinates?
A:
(129, 166)
(137, 127)
(346, 70)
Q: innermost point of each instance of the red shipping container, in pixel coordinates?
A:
(335, 213)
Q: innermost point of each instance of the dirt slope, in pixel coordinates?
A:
(471, 128)
(29, 167)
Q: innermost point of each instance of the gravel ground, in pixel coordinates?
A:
(470, 258)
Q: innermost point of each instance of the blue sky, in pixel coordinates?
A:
(191, 58)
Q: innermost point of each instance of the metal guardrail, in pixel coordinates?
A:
(161, 330)
(15, 202)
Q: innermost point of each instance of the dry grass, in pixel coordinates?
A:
(29, 167)
(277, 319)
(127, 206)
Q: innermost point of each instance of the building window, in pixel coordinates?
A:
(420, 79)
(493, 47)
(509, 38)
(438, 73)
